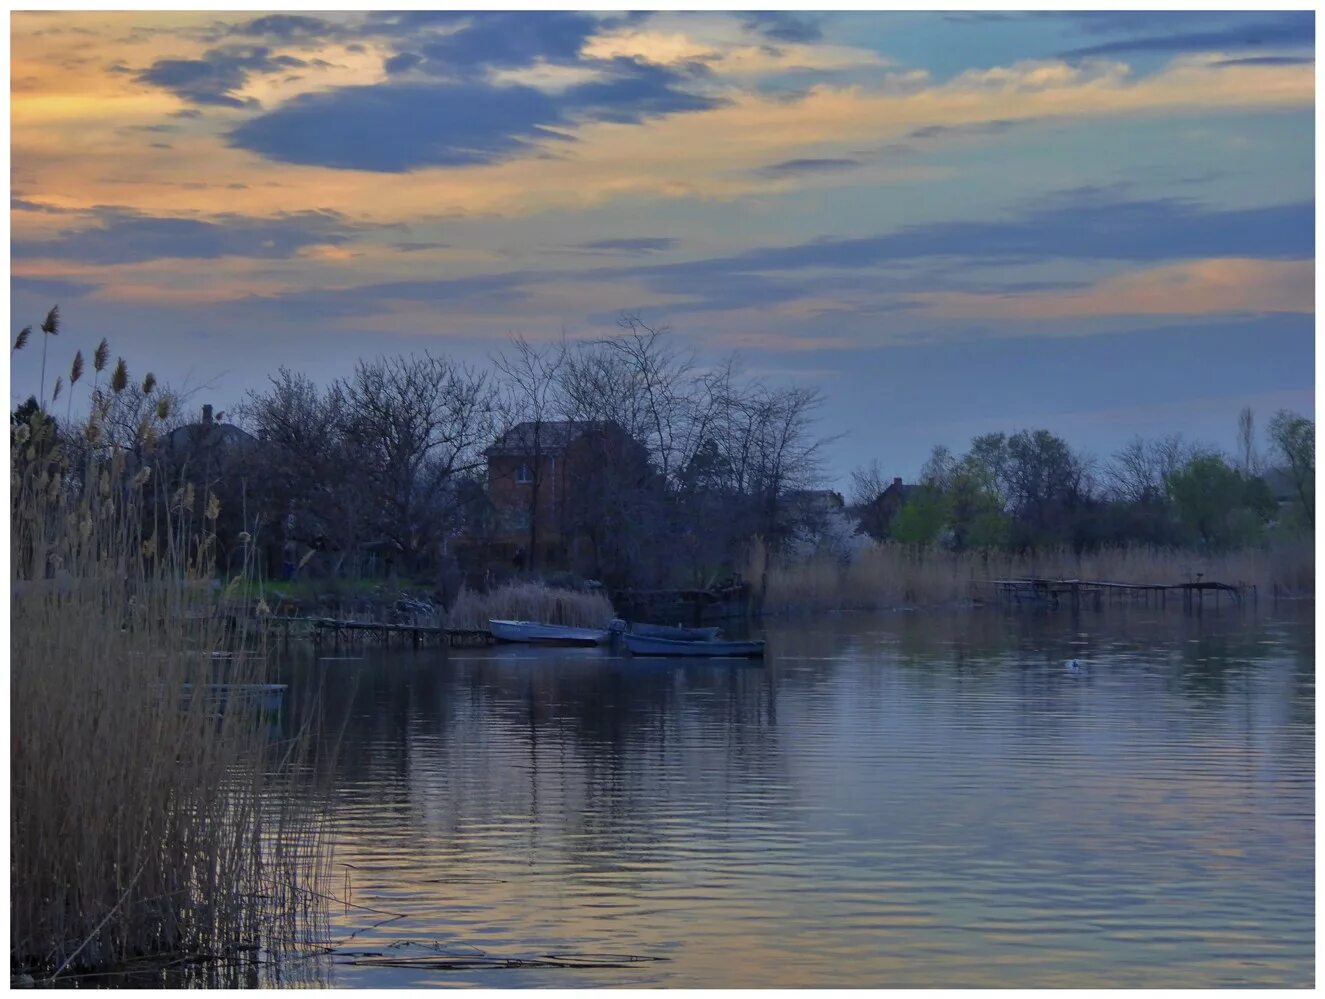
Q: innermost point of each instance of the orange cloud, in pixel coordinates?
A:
(1194, 288)
(72, 128)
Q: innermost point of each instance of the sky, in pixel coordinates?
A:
(949, 223)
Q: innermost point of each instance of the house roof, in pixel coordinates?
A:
(823, 497)
(551, 436)
(207, 435)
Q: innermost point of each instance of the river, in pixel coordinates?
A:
(905, 800)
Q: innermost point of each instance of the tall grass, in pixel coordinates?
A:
(145, 822)
(894, 575)
(530, 601)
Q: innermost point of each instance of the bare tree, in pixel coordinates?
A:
(1137, 472)
(939, 469)
(414, 423)
(663, 379)
(1247, 442)
(313, 487)
(1293, 437)
(530, 400)
(617, 500)
(868, 483)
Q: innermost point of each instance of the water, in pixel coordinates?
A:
(890, 801)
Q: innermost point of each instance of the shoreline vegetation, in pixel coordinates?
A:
(891, 576)
(149, 823)
(530, 601)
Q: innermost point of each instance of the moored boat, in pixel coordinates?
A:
(643, 645)
(545, 634)
(674, 632)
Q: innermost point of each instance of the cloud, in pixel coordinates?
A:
(395, 127)
(782, 26)
(214, 79)
(287, 28)
(124, 236)
(642, 244)
(52, 288)
(1269, 61)
(803, 167)
(1039, 74)
(495, 292)
(398, 127)
(1072, 226)
(1085, 225)
(710, 155)
(17, 204)
(402, 62)
(419, 247)
(1201, 287)
(1295, 29)
(497, 40)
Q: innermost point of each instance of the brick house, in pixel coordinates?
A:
(536, 472)
(876, 516)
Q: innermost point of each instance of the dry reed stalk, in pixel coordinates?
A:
(530, 602)
(141, 819)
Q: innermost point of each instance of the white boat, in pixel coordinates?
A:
(675, 632)
(642, 645)
(546, 634)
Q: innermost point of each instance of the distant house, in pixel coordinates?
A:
(534, 471)
(876, 516)
(820, 522)
(207, 440)
(815, 501)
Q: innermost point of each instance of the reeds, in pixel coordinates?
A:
(145, 820)
(530, 602)
(895, 575)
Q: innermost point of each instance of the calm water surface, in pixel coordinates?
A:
(904, 800)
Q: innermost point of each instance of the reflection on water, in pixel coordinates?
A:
(909, 800)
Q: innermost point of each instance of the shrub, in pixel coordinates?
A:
(530, 602)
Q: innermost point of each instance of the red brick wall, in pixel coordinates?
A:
(510, 497)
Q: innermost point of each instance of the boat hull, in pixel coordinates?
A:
(641, 645)
(536, 633)
(676, 633)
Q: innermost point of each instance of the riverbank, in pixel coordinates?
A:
(890, 576)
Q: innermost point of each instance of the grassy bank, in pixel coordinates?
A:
(530, 602)
(894, 575)
(148, 820)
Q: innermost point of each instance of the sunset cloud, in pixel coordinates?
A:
(1195, 288)
(779, 183)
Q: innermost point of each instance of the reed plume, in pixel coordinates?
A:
(119, 379)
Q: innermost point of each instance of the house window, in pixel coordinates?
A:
(524, 475)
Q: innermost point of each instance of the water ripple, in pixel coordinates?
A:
(906, 802)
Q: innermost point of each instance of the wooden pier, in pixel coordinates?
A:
(1076, 593)
(336, 631)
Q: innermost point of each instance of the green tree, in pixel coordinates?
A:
(1217, 505)
(975, 515)
(922, 518)
(1293, 438)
